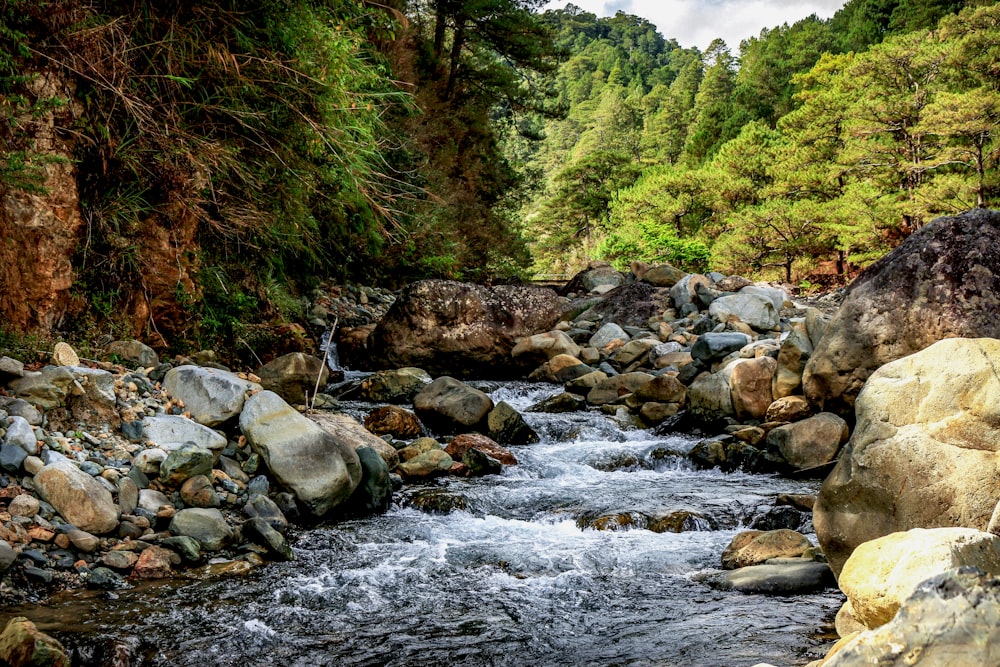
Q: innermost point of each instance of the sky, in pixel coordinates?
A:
(698, 22)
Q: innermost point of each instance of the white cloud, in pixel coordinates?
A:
(698, 22)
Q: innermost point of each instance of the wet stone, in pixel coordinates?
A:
(102, 578)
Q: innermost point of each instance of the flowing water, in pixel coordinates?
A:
(511, 579)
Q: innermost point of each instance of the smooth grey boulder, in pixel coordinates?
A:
(20, 434)
(321, 471)
(711, 346)
(450, 406)
(206, 525)
(754, 310)
(788, 577)
(212, 396)
(188, 460)
(374, 493)
(260, 532)
(168, 432)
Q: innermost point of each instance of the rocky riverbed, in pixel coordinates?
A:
(124, 469)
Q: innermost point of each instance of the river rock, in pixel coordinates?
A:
(943, 281)
(12, 458)
(788, 409)
(77, 496)
(148, 461)
(559, 369)
(951, 620)
(611, 389)
(10, 369)
(625, 357)
(448, 405)
(784, 578)
(374, 493)
(348, 432)
(155, 563)
(560, 403)
(811, 442)
(17, 407)
(197, 491)
(465, 330)
(46, 389)
(755, 310)
(479, 463)
(792, 358)
(428, 464)
(7, 555)
(537, 349)
(119, 560)
(663, 275)
(260, 532)
(186, 461)
(207, 525)
(394, 386)
(294, 376)
(132, 353)
(463, 443)
(153, 501)
(881, 574)
(393, 420)
(712, 346)
(168, 432)
(685, 291)
(20, 434)
(261, 507)
(320, 470)
(754, 547)
(606, 335)
(710, 397)
(212, 396)
(507, 426)
(23, 504)
(923, 452)
(22, 643)
(662, 389)
(750, 386)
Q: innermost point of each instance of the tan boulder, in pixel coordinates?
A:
(881, 574)
(924, 450)
(77, 496)
(541, 347)
(753, 547)
(788, 409)
(811, 442)
(750, 386)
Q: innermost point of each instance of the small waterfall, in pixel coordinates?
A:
(328, 345)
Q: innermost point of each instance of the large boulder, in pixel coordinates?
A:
(22, 643)
(321, 471)
(881, 574)
(77, 496)
(465, 330)
(923, 453)
(755, 547)
(212, 396)
(449, 406)
(294, 376)
(710, 397)
(943, 281)
(207, 525)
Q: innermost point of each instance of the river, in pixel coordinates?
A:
(509, 579)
